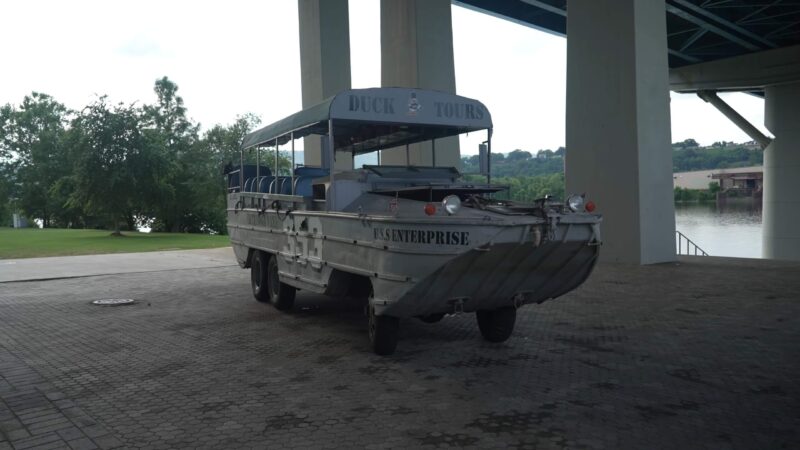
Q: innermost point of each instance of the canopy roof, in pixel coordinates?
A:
(365, 120)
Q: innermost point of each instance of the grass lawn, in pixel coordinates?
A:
(34, 242)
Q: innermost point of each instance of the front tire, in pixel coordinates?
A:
(383, 333)
(280, 294)
(497, 325)
(258, 275)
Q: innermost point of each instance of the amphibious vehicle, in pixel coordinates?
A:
(409, 240)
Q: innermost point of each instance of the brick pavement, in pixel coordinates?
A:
(702, 354)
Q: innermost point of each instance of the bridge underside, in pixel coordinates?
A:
(623, 58)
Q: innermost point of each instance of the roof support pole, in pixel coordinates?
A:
(291, 136)
(489, 156)
(258, 167)
(330, 197)
(277, 170)
(735, 117)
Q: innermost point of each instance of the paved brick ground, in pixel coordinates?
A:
(703, 354)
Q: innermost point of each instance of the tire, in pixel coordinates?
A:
(432, 318)
(281, 295)
(382, 333)
(498, 324)
(258, 275)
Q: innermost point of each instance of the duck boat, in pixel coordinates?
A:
(407, 240)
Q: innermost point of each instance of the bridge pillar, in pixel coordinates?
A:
(618, 124)
(324, 63)
(417, 51)
(781, 235)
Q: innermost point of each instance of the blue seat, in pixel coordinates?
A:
(249, 172)
(264, 183)
(286, 186)
(303, 186)
(305, 178)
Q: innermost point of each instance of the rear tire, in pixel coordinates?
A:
(498, 324)
(281, 294)
(382, 333)
(258, 276)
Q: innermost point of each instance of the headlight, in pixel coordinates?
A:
(451, 204)
(575, 202)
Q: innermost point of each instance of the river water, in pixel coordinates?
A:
(732, 230)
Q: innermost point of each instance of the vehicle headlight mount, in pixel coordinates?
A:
(451, 204)
(575, 203)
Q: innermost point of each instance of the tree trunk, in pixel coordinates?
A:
(116, 232)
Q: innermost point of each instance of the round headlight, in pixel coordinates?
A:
(575, 202)
(451, 204)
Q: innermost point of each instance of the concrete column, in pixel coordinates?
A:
(618, 124)
(781, 237)
(417, 51)
(324, 63)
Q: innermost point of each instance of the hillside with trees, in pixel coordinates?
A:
(688, 156)
(532, 176)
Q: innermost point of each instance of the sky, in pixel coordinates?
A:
(236, 57)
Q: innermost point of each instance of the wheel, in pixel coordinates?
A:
(382, 333)
(281, 295)
(258, 275)
(496, 325)
(432, 318)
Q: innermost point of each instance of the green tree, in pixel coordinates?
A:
(518, 154)
(109, 173)
(219, 148)
(33, 155)
(174, 138)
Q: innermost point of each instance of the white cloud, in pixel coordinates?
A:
(243, 56)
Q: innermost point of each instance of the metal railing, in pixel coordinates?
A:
(680, 238)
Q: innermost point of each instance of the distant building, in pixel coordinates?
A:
(737, 178)
(698, 179)
(742, 181)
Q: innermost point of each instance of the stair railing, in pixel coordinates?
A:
(690, 245)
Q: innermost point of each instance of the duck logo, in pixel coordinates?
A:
(413, 105)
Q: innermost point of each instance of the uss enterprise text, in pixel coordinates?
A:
(422, 236)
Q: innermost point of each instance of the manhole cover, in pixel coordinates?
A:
(113, 302)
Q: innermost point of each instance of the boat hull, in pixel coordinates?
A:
(419, 267)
